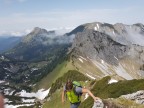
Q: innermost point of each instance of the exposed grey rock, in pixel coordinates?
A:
(115, 45)
(106, 104)
(137, 52)
(109, 103)
(98, 104)
(138, 97)
(124, 34)
(98, 45)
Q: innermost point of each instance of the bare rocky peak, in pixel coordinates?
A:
(99, 45)
(38, 34)
(122, 33)
(119, 46)
(119, 28)
(38, 30)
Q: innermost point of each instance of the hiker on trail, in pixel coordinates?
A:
(74, 94)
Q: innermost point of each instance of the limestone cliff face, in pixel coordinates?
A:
(115, 50)
(98, 45)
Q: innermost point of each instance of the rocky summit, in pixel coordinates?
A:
(122, 33)
(114, 49)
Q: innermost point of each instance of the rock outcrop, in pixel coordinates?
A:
(138, 97)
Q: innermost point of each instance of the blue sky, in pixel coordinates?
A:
(17, 16)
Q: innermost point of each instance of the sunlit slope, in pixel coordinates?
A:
(61, 68)
(127, 68)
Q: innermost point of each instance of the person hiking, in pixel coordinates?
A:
(74, 94)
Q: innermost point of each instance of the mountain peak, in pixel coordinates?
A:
(121, 33)
(38, 34)
(38, 30)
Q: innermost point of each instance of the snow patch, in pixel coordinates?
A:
(83, 58)
(113, 32)
(7, 91)
(1, 81)
(90, 76)
(98, 26)
(28, 100)
(80, 60)
(115, 58)
(11, 92)
(16, 106)
(34, 69)
(112, 81)
(6, 100)
(41, 94)
(95, 28)
(102, 61)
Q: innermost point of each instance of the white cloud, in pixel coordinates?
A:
(56, 19)
(15, 33)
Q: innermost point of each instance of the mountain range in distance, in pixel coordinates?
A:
(94, 49)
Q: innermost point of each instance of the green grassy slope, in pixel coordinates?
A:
(56, 73)
(70, 75)
(54, 99)
(104, 90)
